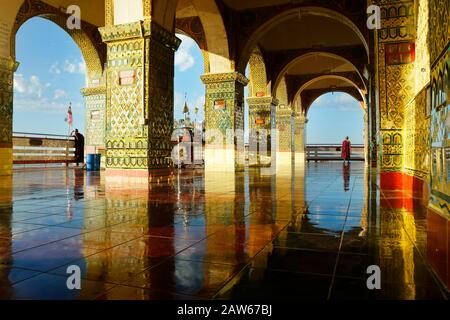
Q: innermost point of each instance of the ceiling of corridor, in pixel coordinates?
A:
(319, 63)
(308, 32)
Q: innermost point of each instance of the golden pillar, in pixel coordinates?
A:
(262, 130)
(284, 123)
(224, 121)
(139, 108)
(299, 138)
(95, 117)
(7, 68)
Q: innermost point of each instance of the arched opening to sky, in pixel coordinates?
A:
(51, 74)
(332, 117)
(188, 87)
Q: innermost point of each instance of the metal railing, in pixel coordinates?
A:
(332, 152)
(36, 148)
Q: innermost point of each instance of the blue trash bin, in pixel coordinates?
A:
(98, 161)
(90, 162)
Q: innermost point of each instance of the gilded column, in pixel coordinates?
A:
(7, 68)
(395, 56)
(299, 138)
(262, 130)
(284, 139)
(224, 121)
(95, 120)
(139, 108)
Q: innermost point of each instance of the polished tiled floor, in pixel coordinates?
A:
(302, 234)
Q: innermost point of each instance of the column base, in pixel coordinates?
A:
(284, 162)
(6, 161)
(221, 160)
(299, 160)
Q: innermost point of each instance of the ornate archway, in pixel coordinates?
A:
(87, 38)
(259, 33)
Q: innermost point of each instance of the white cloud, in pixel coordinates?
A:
(178, 101)
(19, 83)
(58, 93)
(184, 59)
(200, 102)
(55, 69)
(75, 66)
(43, 105)
(32, 86)
(69, 66)
(338, 100)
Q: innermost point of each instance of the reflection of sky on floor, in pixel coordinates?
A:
(299, 236)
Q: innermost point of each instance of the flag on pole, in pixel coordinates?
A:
(69, 118)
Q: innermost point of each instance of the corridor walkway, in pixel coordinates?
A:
(306, 234)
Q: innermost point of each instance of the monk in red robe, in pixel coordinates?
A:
(346, 149)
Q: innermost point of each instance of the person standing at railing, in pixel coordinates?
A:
(346, 150)
(79, 146)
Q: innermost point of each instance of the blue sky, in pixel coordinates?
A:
(52, 72)
(50, 76)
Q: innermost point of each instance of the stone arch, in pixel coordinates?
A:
(88, 38)
(258, 85)
(361, 97)
(288, 14)
(216, 46)
(199, 40)
(310, 54)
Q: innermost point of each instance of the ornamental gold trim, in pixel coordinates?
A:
(121, 32)
(262, 101)
(224, 77)
(8, 64)
(141, 29)
(93, 91)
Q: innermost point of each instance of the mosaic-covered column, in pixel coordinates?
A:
(284, 138)
(299, 138)
(7, 68)
(395, 56)
(139, 108)
(224, 121)
(262, 130)
(95, 120)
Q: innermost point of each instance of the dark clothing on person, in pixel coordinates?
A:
(79, 148)
(346, 150)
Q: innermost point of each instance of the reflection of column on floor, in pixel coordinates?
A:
(223, 212)
(126, 216)
(299, 205)
(396, 241)
(7, 68)
(223, 119)
(365, 210)
(6, 212)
